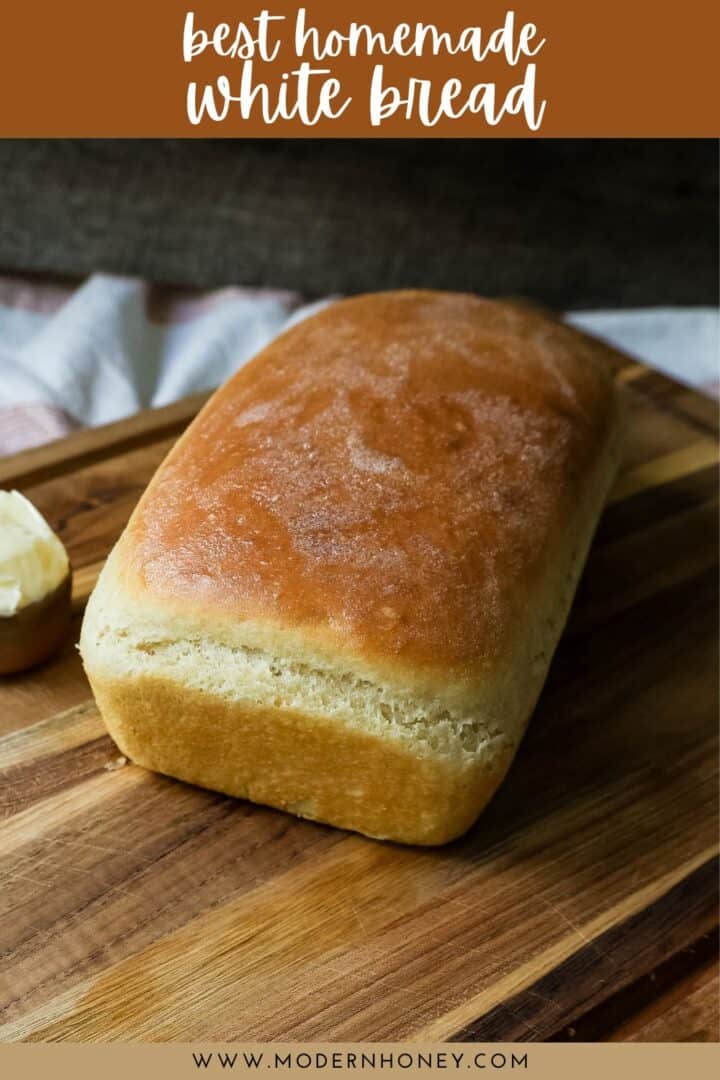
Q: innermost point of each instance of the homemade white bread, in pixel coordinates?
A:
(341, 591)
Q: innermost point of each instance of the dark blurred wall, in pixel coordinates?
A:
(571, 223)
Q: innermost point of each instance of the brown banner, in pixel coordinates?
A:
(377, 68)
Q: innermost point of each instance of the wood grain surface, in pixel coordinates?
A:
(582, 905)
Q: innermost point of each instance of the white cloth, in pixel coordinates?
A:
(681, 342)
(89, 354)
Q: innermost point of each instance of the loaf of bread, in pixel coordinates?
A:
(341, 592)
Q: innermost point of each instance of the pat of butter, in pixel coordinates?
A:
(33, 561)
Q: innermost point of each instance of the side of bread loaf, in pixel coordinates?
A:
(341, 592)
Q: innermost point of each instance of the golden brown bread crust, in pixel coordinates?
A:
(389, 476)
(341, 592)
(297, 763)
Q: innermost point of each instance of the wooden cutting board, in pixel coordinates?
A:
(583, 904)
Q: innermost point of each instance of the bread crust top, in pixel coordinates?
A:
(390, 477)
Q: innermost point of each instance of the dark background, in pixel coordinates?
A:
(576, 223)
